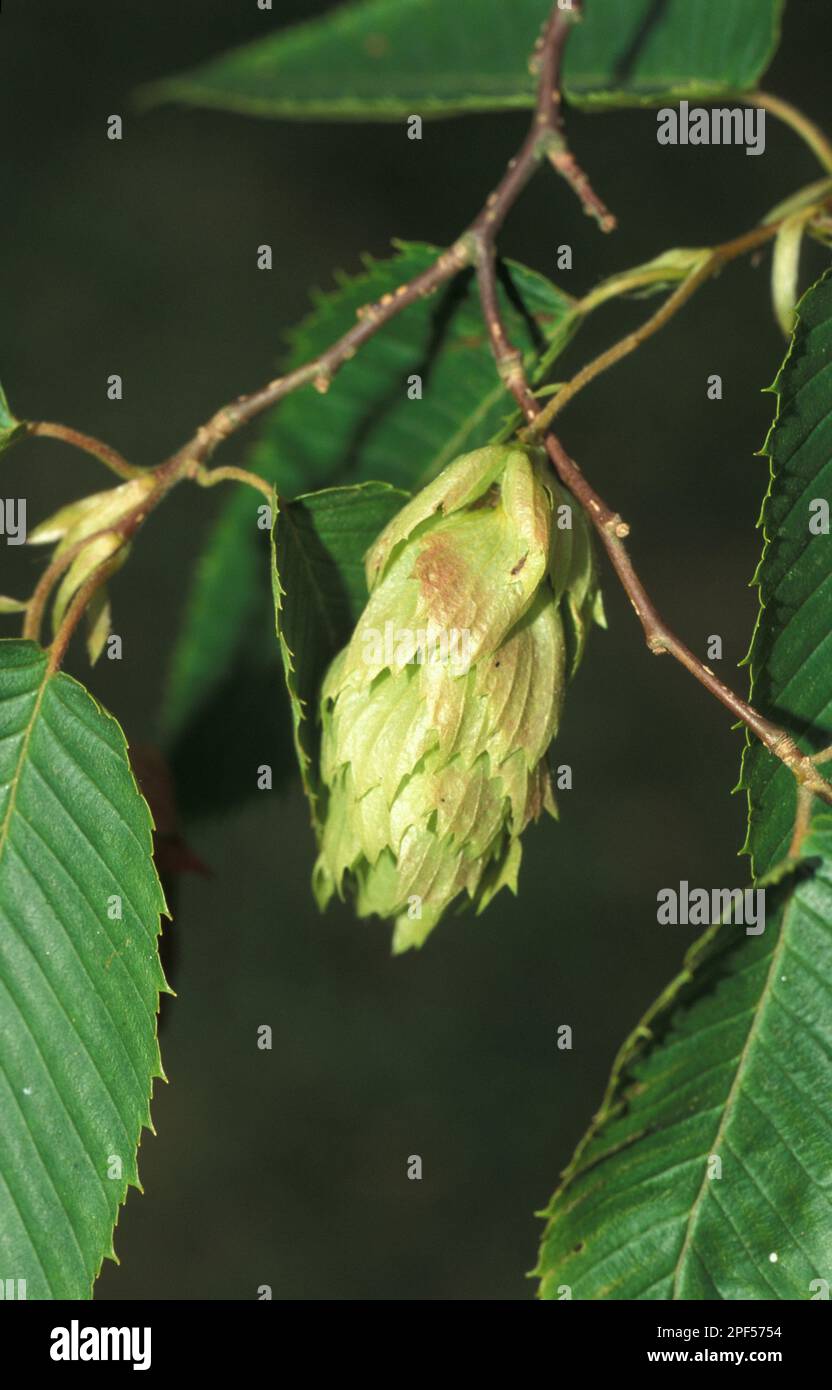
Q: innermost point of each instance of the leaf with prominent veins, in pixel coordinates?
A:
(370, 424)
(707, 1173)
(384, 59)
(79, 976)
(319, 590)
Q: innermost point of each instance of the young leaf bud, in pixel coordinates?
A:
(89, 517)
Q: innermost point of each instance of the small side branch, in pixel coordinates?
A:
(610, 527)
(613, 531)
(564, 163)
(208, 477)
(711, 263)
(661, 638)
(77, 608)
(476, 247)
(321, 370)
(111, 458)
(545, 132)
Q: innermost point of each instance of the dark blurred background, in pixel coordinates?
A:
(288, 1167)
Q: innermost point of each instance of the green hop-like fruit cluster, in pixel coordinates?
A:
(437, 717)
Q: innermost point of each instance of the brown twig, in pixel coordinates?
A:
(320, 370)
(124, 528)
(475, 241)
(476, 246)
(208, 477)
(77, 607)
(659, 636)
(47, 429)
(564, 163)
(712, 262)
(612, 531)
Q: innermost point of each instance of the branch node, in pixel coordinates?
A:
(618, 527)
(509, 363)
(564, 163)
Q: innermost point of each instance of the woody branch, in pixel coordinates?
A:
(476, 246)
(610, 527)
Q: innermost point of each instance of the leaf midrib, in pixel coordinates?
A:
(24, 750)
(733, 1095)
(317, 591)
(4, 840)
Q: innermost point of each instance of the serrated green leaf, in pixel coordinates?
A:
(708, 1171)
(319, 589)
(224, 688)
(791, 653)
(79, 985)
(365, 427)
(388, 59)
(11, 429)
(643, 53)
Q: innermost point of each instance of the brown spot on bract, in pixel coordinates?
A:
(520, 563)
(441, 572)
